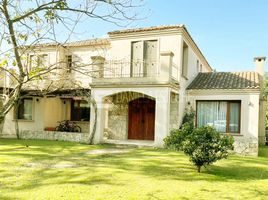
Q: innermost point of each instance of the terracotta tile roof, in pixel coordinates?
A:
(152, 28)
(89, 42)
(225, 80)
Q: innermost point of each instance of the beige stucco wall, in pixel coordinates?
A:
(52, 111)
(36, 124)
(47, 112)
(247, 141)
(81, 57)
(262, 121)
(3, 79)
(82, 60)
(121, 49)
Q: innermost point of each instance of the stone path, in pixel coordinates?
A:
(60, 165)
(67, 164)
(108, 151)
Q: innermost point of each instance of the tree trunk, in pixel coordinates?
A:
(17, 129)
(2, 121)
(92, 134)
(16, 111)
(199, 169)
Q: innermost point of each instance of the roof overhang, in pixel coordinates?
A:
(66, 93)
(202, 92)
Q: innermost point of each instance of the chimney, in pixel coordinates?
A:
(259, 64)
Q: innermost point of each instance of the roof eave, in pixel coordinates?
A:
(223, 91)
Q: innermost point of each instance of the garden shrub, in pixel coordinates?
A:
(204, 145)
(176, 137)
(189, 116)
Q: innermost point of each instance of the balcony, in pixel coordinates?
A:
(162, 71)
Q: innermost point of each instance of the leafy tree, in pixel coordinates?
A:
(177, 136)
(265, 91)
(203, 145)
(189, 116)
(27, 25)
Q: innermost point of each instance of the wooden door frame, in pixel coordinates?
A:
(130, 116)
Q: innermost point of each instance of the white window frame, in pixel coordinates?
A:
(16, 115)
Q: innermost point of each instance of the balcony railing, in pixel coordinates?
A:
(123, 69)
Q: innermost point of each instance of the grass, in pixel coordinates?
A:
(62, 170)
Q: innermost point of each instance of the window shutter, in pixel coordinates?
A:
(150, 54)
(136, 58)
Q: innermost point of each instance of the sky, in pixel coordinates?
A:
(230, 33)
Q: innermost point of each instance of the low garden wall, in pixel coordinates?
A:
(55, 135)
(246, 145)
(242, 145)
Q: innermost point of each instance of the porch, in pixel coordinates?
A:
(74, 109)
(42, 114)
(140, 117)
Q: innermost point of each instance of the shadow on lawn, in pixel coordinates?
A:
(103, 169)
(179, 168)
(6, 198)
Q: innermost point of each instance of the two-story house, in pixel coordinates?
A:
(142, 80)
(141, 93)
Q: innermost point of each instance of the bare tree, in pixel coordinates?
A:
(27, 25)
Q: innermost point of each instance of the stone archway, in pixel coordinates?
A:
(119, 121)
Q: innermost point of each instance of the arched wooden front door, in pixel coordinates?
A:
(141, 119)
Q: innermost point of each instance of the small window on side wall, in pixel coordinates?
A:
(185, 60)
(80, 110)
(25, 109)
(31, 63)
(42, 60)
(69, 63)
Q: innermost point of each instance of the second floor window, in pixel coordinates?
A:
(40, 60)
(197, 66)
(184, 71)
(31, 62)
(69, 63)
(143, 58)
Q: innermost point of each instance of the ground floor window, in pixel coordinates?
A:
(25, 109)
(223, 115)
(80, 110)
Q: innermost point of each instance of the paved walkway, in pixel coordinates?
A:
(108, 151)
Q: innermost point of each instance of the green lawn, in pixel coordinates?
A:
(61, 170)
